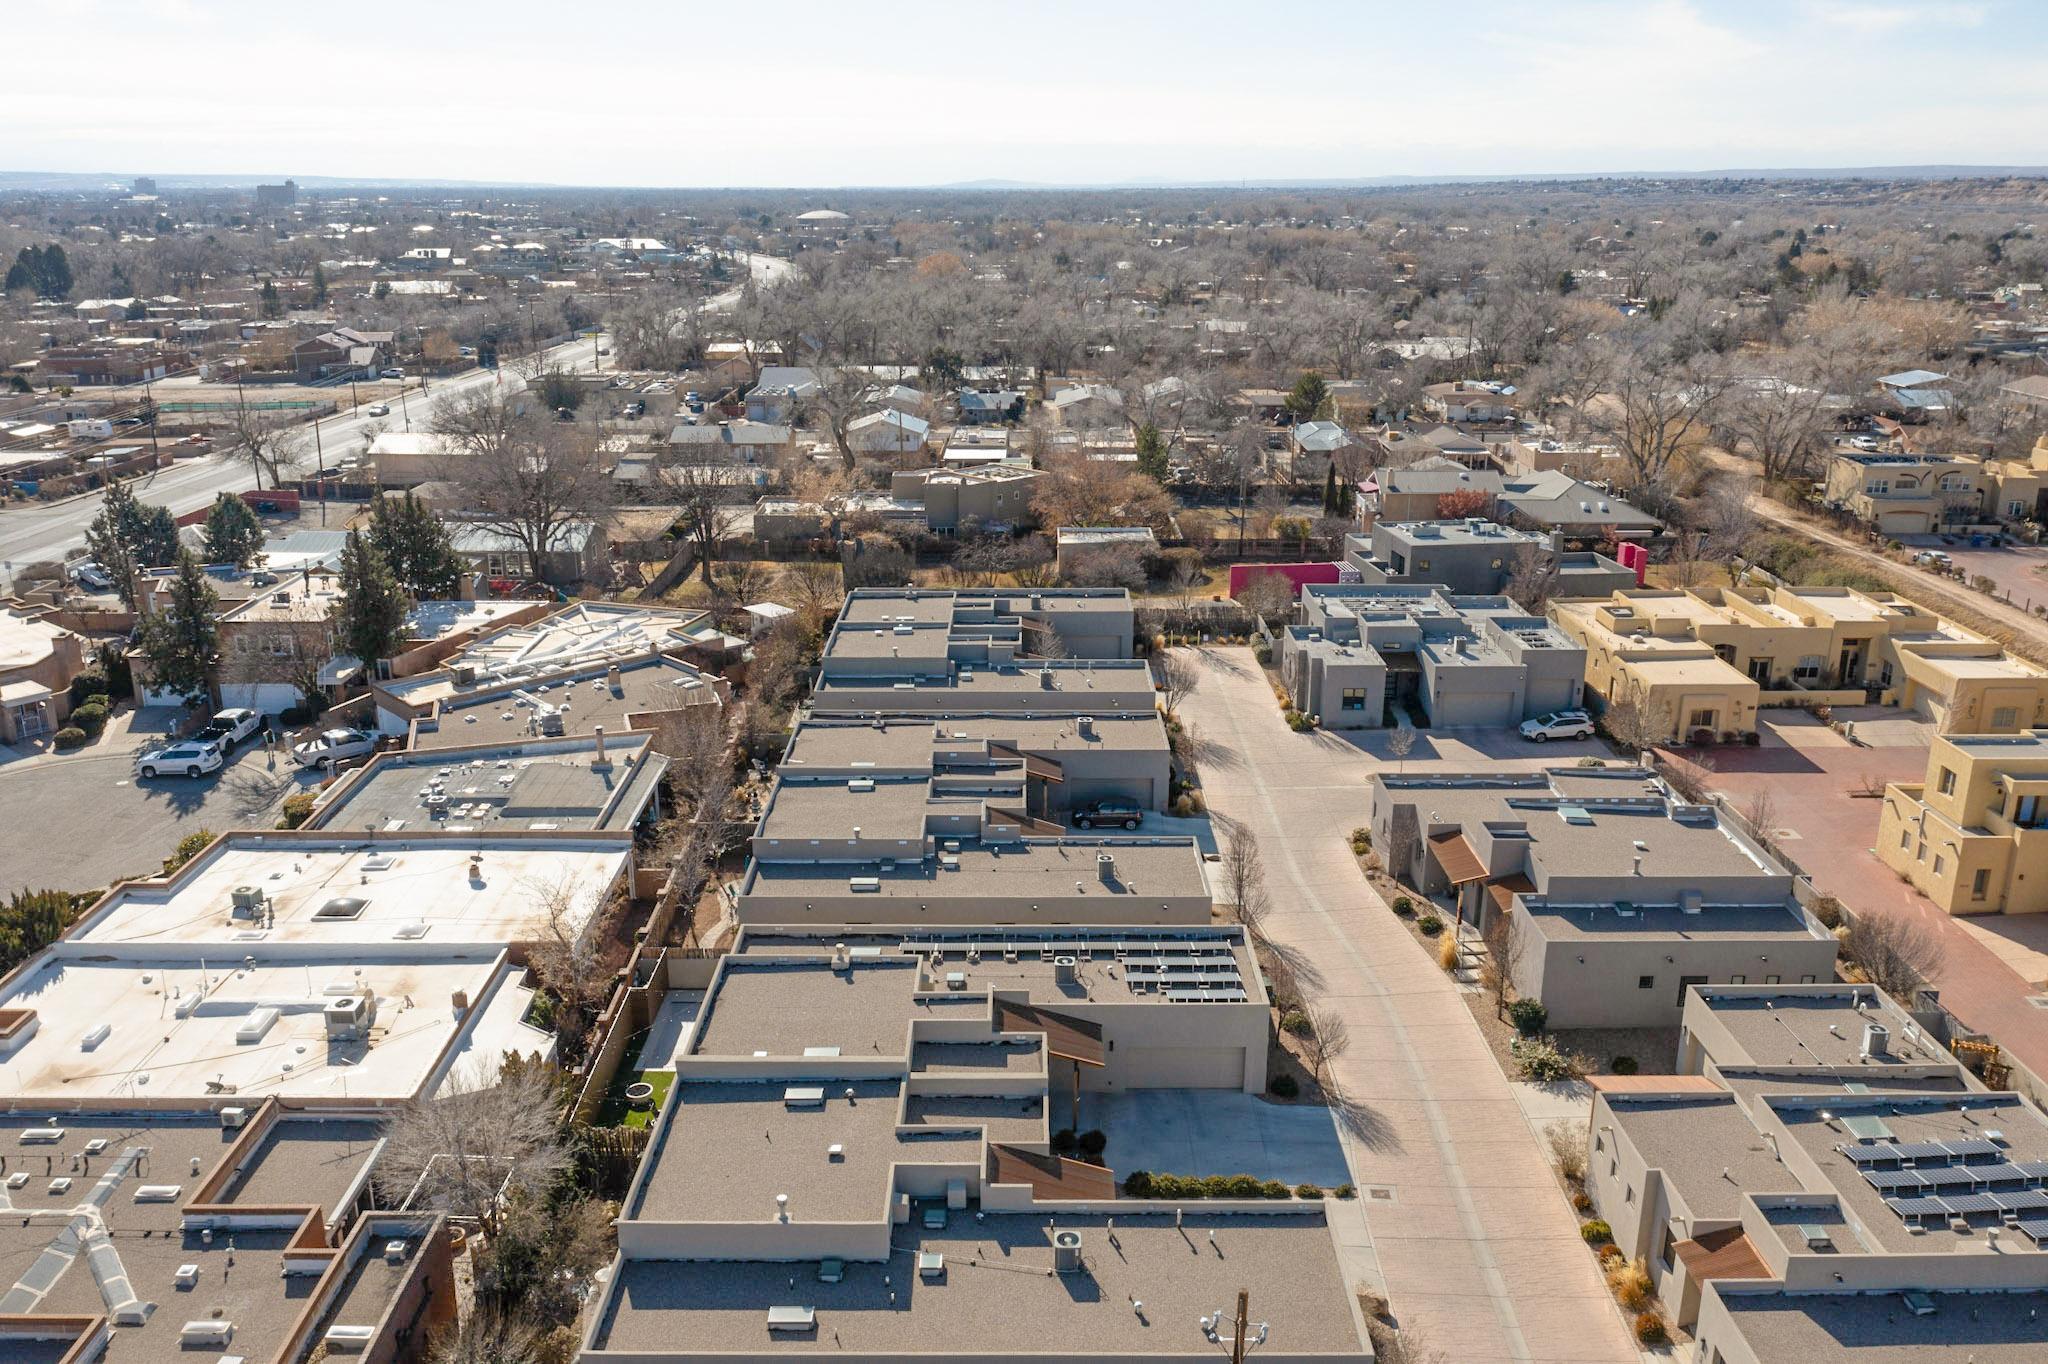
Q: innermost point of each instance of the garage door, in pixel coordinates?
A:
(1182, 1067)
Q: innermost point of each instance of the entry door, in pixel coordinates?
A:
(29, 722)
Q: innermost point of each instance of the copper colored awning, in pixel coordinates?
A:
(1049, 1176)
(1075, 1039)
(1457, 858)
(1504, 891)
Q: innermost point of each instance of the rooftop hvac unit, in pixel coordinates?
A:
(248, 901)
(551, 724)
(212, 1332)
(394, 1252)
(233, 1117)
(1066, 1252)
(864, 885)
(350, 1016)
(465, 674)
(1877, 1041)
(1065, 971)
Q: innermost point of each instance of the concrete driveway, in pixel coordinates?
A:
(79, 821)
(1465, 1227)
(1207, 1132)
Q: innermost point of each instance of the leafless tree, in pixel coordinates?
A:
(1532, 578)
(1267, 596)
(1244, 875)
(1687, 564)
(272, 448)
(1896, 955)
(1661, 399)
(1636, 725)
(487, 1133)
(489, 1336)
(1111, 565)
(1400, 743)
(813, 590)
(702, 495)
(520, 474)
(1329, 1037)
(567, 953)
(1504, 949)
(1177, 677)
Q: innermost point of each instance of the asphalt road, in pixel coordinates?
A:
(56, 530)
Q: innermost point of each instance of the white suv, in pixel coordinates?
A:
(1563, 724)
(186, 757)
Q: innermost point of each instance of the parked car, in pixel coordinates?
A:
(334, 746)
(185, 758)
(380, 409)
(1563, 724)
(92, 577)
(394, 373)
(1864, 442)
(1124, 814)
(635, 409)
(230, 727)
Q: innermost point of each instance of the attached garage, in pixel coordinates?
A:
(1181, 1067)
(1905, 523)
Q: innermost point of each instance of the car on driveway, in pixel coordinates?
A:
(229, 728)
(334, 746)
(1122, 814)
(92, 577)
(185, 758)
(1563, 724)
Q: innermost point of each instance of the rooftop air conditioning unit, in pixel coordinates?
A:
(349, 1339)
(217, 1331)
(233, 1117)
(248, 901)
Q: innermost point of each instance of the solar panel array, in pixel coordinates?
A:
(1880, 1152)
(1937, 1179)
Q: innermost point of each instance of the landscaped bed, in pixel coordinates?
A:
(617, 1109)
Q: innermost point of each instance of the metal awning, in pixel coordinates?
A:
(23, 693)
(339, 669)
(1457, 858)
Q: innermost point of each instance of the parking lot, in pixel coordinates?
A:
(78, 821)
(1820, 818)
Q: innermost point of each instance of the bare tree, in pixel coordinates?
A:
(702, 497)
(1267, 595)
(567, 953)
(1329, 1037)
(489, 1336)
(1894, 954)
(1400, 743)
(1504, 948)
(1636, 725)
(272, 448)
(1177, 677)
(466, 1149)
(521, 475)
(1532, 578)
(814, 590)
(1244, 876)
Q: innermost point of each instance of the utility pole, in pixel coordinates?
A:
(1244, 1302)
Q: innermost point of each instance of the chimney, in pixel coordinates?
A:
(611, 677)
(600, 760)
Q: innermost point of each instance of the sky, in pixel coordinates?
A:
(628, 92)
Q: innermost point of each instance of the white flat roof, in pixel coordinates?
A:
(403, 883)
(150, 1051)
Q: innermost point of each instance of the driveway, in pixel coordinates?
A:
(1473, 1240)
(2017, 569)
(80, 821)
(1213, 1132)
(1814, 780)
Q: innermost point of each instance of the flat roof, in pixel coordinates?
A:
(1123, 682)
(1162, 867)
(179, 1029)
(998, 1295)
(402, 882)
(585, 698)
(915, 744)
(1820, 1027)
(533, 784)
(434, 620)
(1666, 923)
(1878, 1328)
(578, 634)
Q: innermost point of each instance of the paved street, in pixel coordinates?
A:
(1474, 1241)
(78, 821)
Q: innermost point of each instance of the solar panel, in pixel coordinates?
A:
(1971, 1204)
(1869, 1153)
(1948, 1177)
(2036, 1227)
(2023, 1200)
(1967, 1147)
(1996, 1172)
(1921, 1150)
(1918, 1207)
(2032, 1169)
(1891, 1181)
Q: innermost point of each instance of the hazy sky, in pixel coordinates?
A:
(628, 92)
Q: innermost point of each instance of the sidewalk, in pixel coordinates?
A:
(1476, 1247)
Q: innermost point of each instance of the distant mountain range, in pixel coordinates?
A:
(71, 182)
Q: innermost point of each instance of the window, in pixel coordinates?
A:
(2015, 508)
(1354, 698)
(1980, 884)
(1940, 865)
(1878, 487)
(1666, 1251)
(2005, 718)
(1884, 674)
(1630, 1195)
(1703, 719)
(1920, 852)
(1738, 980)
(1422, 565)
(1760, 670)
(1946, 783)
(1905, 838)
(1646, 982)
(1808, 669)
(2027, 812)
(1806, 979)
(1772, 980)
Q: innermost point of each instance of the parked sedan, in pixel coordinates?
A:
(334, 746)
(380, 409)
(1563, 724)
(185, 758)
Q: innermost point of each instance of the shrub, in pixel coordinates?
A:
(1608, 1253)
(1063, 1142)
(91, 682)
(1362, 835)
(1567, 1144)
(1138, 1184)
(298, 808)
(1284, 1087)
(1528, 1016)
(1093, 1142)
(1827, 909)
(1650, 1329)
(1296, 721)
(1345, 1190)
(1296, 1021)
(1539, 1060)
(92, 719)
(189, 847)
(1591, 762)
(1308, 1191)
(68, 738)
(1263, 652)
(1447, 953)
(1430, 925)
(1185, 806)
(1596, 1232)
(1273, 1188)
(1581, 1202)
(1623, 1065)
(291, 717)
(1403, 905)
(1630, 1282)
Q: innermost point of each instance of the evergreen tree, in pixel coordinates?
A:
(1152, 453)
(128, 536)
(182, 642)
(1332, 499)
(1309, 397)
(319, 284)
(273, 306)
(415, 543)
(41, 268)
(233, 534)
(372, 608)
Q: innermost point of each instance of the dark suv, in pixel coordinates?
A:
(1120, 813)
